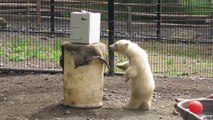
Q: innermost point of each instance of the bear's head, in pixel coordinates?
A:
(120, 46)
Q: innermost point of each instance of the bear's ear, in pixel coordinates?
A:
(126, 45)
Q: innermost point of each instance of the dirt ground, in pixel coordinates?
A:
(40, 97)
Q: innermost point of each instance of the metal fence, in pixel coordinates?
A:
(177, 34)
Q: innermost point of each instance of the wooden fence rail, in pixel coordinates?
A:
(40, 9)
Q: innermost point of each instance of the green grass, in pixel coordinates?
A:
(2, 52)
(181, 59)
(57, 52)
(25, 48)
(170, 61)
(203, 51)
(20, 49)
(197, 7)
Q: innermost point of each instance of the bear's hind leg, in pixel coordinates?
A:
(145, 105)
(132, 104)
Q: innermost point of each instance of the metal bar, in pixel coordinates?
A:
(36, 32)
(30, 70)
(129, 19)
(38, 13)
(43, 71)
(52, 15)
(211, 22)
(158, 26)
(111, 35)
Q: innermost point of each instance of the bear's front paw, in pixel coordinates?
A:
(123, 65)
(127, 77)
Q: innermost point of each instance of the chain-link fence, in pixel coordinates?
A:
(177, 34)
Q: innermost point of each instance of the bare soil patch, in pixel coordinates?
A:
(40, 97)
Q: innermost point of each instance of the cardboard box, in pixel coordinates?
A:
(85, 27)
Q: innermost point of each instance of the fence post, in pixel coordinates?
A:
(28, 8)
(211, 23)
(38, 13)
(158, 26)
(52, 16)
(83, 5)
(129, 19)
(111, 35)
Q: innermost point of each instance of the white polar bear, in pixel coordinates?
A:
(138, 74)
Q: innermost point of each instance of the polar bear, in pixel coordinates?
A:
(138, 74)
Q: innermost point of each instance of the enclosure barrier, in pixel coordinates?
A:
(177, 34)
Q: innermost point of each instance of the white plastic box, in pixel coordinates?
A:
(85, 27)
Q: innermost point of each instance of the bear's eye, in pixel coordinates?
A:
(116, 45)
